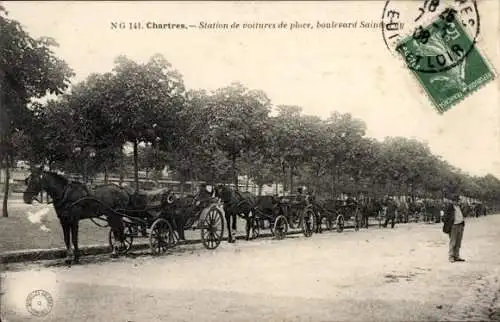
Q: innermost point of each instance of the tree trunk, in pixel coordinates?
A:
(105, 174)
(260, 190)
(235, 173)
(333, 185)
(283, 169)
(5, 211)
(136, 166)
(122, 168)
(181, 188)
(194, 184)
(291, 180)
(85, 171)
(247, 183)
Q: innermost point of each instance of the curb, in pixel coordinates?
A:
(92, 250)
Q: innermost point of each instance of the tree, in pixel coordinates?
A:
(28, 69)
(239, 121)
(146, 100)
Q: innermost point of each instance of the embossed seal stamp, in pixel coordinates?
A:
(39, 303)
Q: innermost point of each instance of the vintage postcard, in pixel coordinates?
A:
(250, 161)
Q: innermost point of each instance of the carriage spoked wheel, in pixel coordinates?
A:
(340, 223)
(280, 227)
(122, 247)
(161, 236)
(212, 229)
(308, 222)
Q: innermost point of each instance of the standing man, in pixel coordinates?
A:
(391, 212)
(454, 224)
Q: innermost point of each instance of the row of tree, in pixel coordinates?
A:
(204, 136)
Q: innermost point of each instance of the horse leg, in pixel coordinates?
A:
(228, 222)
(180, 227)
(66, 232)
(235, 220)
(248, 225)
(118, 232)
(74, 238)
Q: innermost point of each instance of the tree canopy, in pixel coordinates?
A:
(213, 136)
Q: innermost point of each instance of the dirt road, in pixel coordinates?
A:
(371, 275)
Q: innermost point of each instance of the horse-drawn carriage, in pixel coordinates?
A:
(158, 212)
(286, 212)
(333, 214)
(281, 213)
(130, 215)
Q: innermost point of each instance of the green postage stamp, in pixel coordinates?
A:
(445, 61)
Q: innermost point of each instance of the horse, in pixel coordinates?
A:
(236, 203)
(71, 208)
(370, 208)
(322, 211)
(183, 210)
(269, 207)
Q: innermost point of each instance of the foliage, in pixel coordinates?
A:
(28, 69)
(209, 136)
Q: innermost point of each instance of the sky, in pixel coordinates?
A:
(321, 70)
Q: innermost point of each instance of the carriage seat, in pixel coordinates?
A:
(153, 198)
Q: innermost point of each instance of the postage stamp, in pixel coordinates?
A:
(441, 53)
(445, 61)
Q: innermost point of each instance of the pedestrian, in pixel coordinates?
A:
(391, 212)
(454, 224)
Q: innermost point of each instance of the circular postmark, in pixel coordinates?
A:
(39, 303)
(432, 36)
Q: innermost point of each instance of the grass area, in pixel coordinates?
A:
(18, 232)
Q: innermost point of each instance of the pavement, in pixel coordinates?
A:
(397, 274)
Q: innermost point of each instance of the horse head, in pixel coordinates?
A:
(40, 180)
(35, 183)
(224, 193)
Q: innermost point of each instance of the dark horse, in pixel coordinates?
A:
(236, 203)
(183, 210)
(71, 208)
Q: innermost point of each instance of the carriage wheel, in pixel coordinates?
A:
(161, 236)
(280, 227)
(340, 223)
(308, 223)
(212, 229)
(124, 246)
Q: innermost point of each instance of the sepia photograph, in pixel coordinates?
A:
(231, 161)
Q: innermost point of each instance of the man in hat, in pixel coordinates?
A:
(391, 212)
(454, 224)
